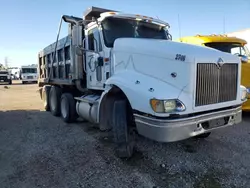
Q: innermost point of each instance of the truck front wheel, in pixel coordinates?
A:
(123, 132)
(10, 82)
(54, 100)
(68, 108)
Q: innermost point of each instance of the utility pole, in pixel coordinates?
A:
(6, 62)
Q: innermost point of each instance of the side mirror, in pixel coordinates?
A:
(100, 61)
(80, 51)
(244, 59)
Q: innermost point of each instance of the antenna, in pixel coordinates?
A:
(224, 30)
(179, 25)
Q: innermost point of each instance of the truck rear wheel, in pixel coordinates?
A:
(68, 108)
(55, 100)
(123, 133)
(45, 97)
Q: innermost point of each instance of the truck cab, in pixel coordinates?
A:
(114, 29)
(229, 44)
(5, 76)
(28, 74)
(122, 72)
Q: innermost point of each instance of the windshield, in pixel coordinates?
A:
(233, 48)
(29, 70)
(246, 51)
(114, 28)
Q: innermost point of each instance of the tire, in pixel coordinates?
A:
(23, 82)
(68, 108)
(204, 135)
(10, 82)
(45, 97)
(123, 134)
(55, 100)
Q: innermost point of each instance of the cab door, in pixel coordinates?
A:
(94, 59)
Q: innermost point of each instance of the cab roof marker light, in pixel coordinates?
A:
(112, 13)
(107, 14)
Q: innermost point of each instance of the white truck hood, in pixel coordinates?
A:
(168, 49)
(157, 58)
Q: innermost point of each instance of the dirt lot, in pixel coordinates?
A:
(39, 150)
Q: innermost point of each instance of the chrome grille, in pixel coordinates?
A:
(215, 85)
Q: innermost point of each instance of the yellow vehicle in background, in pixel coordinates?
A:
(233, 45)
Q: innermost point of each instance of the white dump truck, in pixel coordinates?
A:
(28, 73)
(122, 72)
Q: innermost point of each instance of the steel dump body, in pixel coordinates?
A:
(60, 71)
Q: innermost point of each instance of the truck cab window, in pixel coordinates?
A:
(94, 41)
(114, 28)
(233, 48)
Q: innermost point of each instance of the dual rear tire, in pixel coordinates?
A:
(68, 108)
(64, 105)
(59, 103)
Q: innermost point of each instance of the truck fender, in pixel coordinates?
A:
(138, 89)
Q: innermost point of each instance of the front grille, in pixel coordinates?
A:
(29, 77)
(216, 85)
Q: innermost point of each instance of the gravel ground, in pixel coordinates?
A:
(39, 150)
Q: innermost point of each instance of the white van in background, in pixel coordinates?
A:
(28, 74)
(15, 72)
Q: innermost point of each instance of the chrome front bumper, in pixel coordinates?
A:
(183, 128)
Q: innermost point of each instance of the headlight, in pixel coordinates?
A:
(244, 94)
(167, 106)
